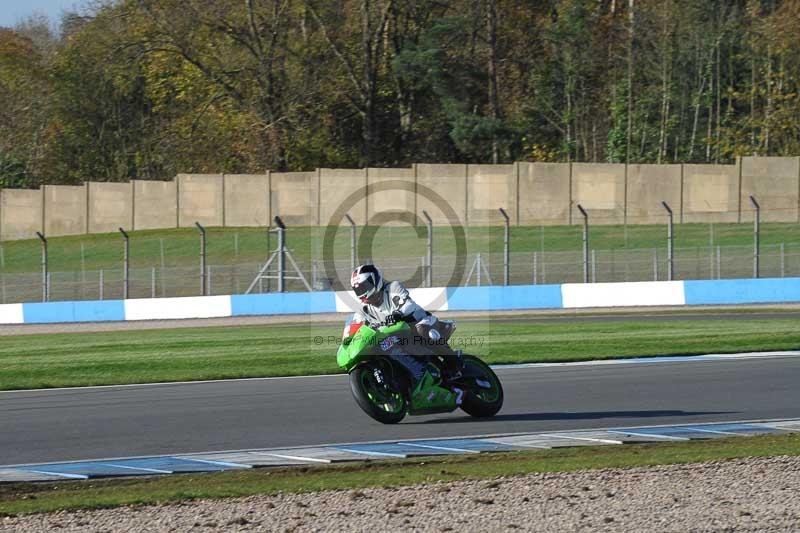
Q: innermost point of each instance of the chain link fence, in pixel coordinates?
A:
(474, 269)
(169, 263)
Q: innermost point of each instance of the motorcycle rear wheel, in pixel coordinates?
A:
(377, 399)
(481, 402)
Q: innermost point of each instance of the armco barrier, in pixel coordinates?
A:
(515, 297)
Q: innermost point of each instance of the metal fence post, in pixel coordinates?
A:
(102, 283)
(655, 264)
(45, 276)
(203, 278)
(429, 222)
(281, 254)
(153, 283)
(352, 242)
(783, 260)
(756, 237)
(670, 244)
(125, 264)
(585, 243)
(535, 265)
(505, 245)
(269, 251)
(594, 266)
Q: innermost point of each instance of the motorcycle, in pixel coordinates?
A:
(392, 374)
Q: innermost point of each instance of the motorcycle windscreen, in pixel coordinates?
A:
(358, 346)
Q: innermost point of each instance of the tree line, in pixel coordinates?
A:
(144, 89)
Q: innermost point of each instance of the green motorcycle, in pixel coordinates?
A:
(387, 390)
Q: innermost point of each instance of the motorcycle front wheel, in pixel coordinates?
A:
(485, 397)
(375, 396)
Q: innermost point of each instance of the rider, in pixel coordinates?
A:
(387, 303)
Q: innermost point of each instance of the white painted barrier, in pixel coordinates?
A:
(633, 294)
(166, 308)
(11, 314)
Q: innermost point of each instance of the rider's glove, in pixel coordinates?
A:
(394, 318)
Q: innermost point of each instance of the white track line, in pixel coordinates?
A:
(59, 474)
(443, 448)
(380, 454)
(715, 432)
(654, 435)
(604, 441)
(153, 470)
(218, 463)
(298, 458)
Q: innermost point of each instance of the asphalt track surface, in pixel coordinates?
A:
(105, 422)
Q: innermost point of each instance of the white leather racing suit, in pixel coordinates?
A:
(397, 305)
(396, 299)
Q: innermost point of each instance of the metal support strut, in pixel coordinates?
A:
(281, 254)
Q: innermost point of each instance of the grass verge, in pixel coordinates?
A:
(190, 354)
(179, 247)
(47, 497)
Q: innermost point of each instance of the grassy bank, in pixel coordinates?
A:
(47, 497)
(119, 357)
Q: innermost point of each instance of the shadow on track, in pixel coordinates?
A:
(590, 415)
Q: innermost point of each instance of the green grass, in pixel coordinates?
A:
(47, 497)
(180, 247)
(119, 357)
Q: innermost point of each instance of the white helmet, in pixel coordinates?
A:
(366, 280)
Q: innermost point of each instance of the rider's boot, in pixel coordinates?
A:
(453, 364)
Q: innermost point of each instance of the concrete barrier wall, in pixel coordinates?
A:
(532, 194)
(774, 182)
(490, 187)
(392, 196)
(247, 199)
(342, 191)
(442, 192)
(110, 206)
(600, 189)
(544, 194)
(648, 186)
(200, 200)
(710, 193)
(65, 210)
(155, 204)
(567, 296)
(294, 197)
(20, 213)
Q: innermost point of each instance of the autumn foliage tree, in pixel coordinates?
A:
(145, 89)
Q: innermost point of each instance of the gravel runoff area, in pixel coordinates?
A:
(761, 494)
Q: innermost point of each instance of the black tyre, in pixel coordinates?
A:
(481, 401)
(375, 396)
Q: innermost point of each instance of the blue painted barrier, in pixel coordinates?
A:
(742, 291)
(511, 297)
(515, 297)
(283, 303)
(84, 311)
